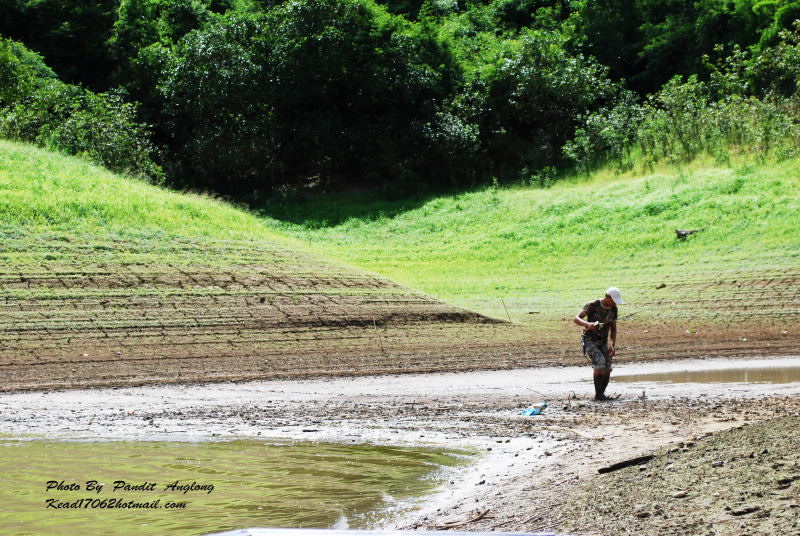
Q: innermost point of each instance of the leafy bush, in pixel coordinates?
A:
(776, 69)
(66, 118)
(683, 121)
(36, 107)
(606, 135)
(21, 71)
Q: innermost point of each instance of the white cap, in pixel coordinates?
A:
(614, 293)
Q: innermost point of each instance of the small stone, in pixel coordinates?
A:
(679, 494)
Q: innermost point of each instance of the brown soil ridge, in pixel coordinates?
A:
(81, 312)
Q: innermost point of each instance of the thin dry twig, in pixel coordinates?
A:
(462, 523)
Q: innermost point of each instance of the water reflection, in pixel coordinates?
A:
(740, 375)
(255, 484)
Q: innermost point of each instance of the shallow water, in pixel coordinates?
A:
(731, 375)
(254, 484)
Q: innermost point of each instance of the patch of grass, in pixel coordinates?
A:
(46, 194)
(556, 247)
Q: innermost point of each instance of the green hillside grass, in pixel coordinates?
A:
(106, 280)
(547, 250)
(500, 251)
(43, 192)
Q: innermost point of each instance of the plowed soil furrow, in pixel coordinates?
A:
(80, 312)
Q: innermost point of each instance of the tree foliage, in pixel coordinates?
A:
(71, 35)
(36, 106)
(246, 97)
(312, 90)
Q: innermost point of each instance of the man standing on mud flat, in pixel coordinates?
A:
(599, 318)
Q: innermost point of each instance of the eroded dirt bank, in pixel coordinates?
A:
(740, 481)
(524, 465)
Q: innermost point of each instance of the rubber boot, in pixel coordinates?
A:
(599, 387)
(606, 379)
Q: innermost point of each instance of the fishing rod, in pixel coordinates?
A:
(641, 311)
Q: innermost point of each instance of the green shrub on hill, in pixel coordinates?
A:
(748, 105)
(71, 35)
(21, 71)
(36, 107)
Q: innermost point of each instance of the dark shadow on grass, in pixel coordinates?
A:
(318, 209)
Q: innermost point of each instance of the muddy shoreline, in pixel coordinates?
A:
(524, 463)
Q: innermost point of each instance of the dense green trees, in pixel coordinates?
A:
(320, 90)
(248, 96)
(534, 100)
(70, 34)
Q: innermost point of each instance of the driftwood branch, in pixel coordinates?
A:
(626, 463)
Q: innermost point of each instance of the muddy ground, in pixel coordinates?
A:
(741, 481)
(528, 473)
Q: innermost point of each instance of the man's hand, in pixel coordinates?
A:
(591, 326)
(612, 350)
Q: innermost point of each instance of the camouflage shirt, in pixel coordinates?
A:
(595, 312)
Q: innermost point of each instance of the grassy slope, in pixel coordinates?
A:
(44, 193)
(551, 249)
(108, 281)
